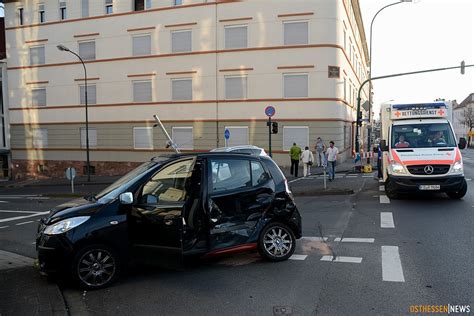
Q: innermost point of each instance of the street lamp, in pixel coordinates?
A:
(88, 165)
(370, 70)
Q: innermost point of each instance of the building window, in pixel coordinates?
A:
(236, 87)
(239, 135)
(141, 45)
(85, 8)
(109, 6)
(183, 137)
(92, 137)
(37, 55)
(181, 41)
(295, 134)
(62, 10)
(142, 91)
(41, 13)
(182, 89)
(295, 33)
(235, 36)
(87, 50)
(295, 85)
(38, 97)
(40, 138)
(143, 137)
(20, 16)
(141, 5)
(178, 2)
(91, 94)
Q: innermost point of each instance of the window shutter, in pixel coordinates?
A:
(91, 94)
(183, 137)
(87, 50)
(37, 55)
(85, 8)
(143, 137)
(239, 135)
(295, 86)
(142, 45)
(295, 134)
(236, 37)
(142, 91)
(92, 137)
(236, 87)
(181, 41)
(40, 138)
(38, 97)
(182, 89)
(295, 33)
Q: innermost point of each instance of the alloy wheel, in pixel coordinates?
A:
(277, 241)
(96, 267)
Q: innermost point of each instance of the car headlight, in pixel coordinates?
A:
(65, 225)
(397, 168)
(457, 168)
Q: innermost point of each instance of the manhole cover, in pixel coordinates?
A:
(282, 310)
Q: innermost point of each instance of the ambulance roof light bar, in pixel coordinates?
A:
(419, 106)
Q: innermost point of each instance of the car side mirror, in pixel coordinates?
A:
(383, 145)
(126, 198)
(462, 143)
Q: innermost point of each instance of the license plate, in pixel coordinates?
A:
(429, 187)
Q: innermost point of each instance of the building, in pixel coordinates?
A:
(463, 113)
(4, 126)
(202, 66)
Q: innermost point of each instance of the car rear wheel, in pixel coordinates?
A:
(277, 242)
(456, 195)
(96, 267)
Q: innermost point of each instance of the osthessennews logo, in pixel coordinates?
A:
(440, 309)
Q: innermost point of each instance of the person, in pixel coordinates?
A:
(295, 155)
(438, 139)
(307, 158)
(331, 154)
(320, 150)
(402, 143)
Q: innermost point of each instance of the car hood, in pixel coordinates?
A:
(77, 207)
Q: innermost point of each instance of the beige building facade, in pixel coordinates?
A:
(201, 66)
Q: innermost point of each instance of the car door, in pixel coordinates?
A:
(155, 220)
(240, 190)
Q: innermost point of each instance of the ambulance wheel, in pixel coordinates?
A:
(391, 190)
(456, 195)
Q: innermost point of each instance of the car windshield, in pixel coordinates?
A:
(422, 135)
(113, 190)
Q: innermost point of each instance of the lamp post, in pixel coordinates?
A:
(370, 71)
(88, 165)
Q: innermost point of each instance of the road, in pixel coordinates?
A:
(361, 254)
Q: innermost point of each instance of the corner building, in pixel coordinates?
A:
(202, 66)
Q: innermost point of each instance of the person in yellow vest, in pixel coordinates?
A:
(295, 156)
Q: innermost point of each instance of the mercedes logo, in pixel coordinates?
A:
(429, 169)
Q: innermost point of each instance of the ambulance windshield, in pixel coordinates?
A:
(422, 135)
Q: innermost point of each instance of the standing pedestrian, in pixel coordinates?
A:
(307, 158)
(331, 153)
(295, 155)
(320, 150)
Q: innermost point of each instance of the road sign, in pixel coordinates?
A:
(70, 173)
(226, 134)
(270, 111)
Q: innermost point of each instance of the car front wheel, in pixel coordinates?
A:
(277, 242)
(456, 195)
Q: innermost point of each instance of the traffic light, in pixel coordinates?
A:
(463, 67)
(274, 128)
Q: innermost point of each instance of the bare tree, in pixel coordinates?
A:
(468, 121)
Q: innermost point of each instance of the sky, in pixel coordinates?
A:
(416, 36)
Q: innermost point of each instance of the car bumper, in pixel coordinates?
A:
(412, 184)
(54, 253)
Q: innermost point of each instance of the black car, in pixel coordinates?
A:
(170, 208)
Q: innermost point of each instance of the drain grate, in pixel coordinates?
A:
(282, 310)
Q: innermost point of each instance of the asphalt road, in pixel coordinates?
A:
(347, 264)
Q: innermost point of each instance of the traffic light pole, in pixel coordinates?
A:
(359, 116)
(269, 124)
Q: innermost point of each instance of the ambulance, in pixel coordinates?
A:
(420, 150)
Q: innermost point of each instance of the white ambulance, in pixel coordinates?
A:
(420, 151)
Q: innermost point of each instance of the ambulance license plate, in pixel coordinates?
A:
(429, 187)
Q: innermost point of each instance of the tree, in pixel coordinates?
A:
(468, 121)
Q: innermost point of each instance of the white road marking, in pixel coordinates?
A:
(351, 176)
(10, 211)
(298, 257)
(368, 176)
(384, 199)
(380, 180)
(392, 270)
(342, 259)
(18, 224)
(468, 179)
(22, 217)
(4, 202)
(386, 220)
(382, 188)
(315, 238)
(294, 180)
(4, 227)
(33, 243)
(366, 240)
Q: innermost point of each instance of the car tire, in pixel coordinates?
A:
(277, 242)
(95, 267)
(456, 195)
(391, 190)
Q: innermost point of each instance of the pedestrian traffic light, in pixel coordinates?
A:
(463, 67)
(274, 128)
